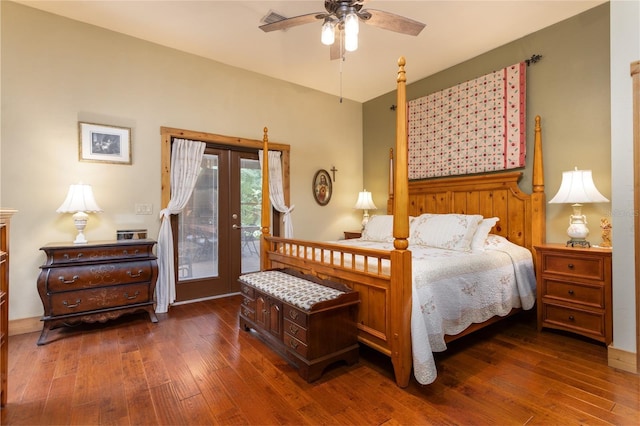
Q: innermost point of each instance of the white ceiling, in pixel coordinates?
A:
(227, 31)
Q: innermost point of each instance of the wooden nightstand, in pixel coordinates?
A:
(574, 290)
(348, 235)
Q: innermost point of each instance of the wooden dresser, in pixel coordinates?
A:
(574, 290)
(5, 218)
(310, 328)
(96, 282)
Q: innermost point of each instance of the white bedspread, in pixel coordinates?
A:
(453, 289)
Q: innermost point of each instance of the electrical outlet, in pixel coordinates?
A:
(144, 208)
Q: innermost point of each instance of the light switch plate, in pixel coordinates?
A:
(144, 208)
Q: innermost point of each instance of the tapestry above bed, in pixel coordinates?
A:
(474, 127)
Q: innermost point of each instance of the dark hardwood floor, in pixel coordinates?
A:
(196, 367)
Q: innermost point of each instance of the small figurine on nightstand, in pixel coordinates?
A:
(605, 225)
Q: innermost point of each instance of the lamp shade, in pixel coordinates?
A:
(79, 199)
(365, 202)
(577, 187)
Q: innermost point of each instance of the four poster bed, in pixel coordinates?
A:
(385, 276)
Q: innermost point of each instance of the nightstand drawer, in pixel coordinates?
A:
(576, 320)
(578, 265)
(574, 292)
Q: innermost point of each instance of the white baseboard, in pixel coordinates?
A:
(622, 360)
(24, 325)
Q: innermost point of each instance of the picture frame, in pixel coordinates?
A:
(322, 187)
(104, 143)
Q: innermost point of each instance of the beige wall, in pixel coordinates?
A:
(568, 88)
(56, 72)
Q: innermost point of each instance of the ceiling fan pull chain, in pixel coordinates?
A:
(341, 61)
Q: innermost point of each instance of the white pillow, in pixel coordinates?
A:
(446, 231)
(379, 228)
(480, 237)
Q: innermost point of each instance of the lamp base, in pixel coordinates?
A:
(579, 243)
(80, 221)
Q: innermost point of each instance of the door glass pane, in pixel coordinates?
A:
(197, 234)
(250, 211)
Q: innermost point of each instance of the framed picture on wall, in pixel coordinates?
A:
(103, 143)
(322, 188)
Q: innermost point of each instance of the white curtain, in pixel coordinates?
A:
(186, 157)
(276, 191)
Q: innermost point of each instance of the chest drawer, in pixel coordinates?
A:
(575, 292)
(296, 345)
(98, 275)
(71, 302)
(574, 266)
(295, 316)
(295, 330)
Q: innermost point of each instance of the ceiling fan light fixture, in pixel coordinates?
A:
(328, 35)
(350, 42)
(351, 24)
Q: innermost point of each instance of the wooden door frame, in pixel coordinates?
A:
(635, 75)
(168, 133)
(228, 142)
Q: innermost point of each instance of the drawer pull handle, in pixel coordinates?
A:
(71, 281)
(571, 292)
(572, 318)
(293, 344)
(66, 256)
(65, 303)
(132, 275)
(571, 266)
(126, 295)
(293, 329)
(293, 314)
(245, 289)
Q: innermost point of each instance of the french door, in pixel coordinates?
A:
(217, 236)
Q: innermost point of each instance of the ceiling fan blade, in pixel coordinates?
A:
(335, 50)
(292, 22)
(393, 22)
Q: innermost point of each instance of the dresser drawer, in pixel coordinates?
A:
(295, 330)
(575, 292)
(580, 321)
(98, 275)
(296, 345)
(574, 266)
(295, 315)
(71, 302)
(77, 254)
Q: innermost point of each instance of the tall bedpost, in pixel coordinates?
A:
(265, 220)
(401, 286)
(538, 200)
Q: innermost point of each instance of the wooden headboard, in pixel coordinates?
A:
(522, 216)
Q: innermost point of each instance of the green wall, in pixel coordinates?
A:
(568, 88)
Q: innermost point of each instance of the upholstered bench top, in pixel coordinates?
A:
(294, 290)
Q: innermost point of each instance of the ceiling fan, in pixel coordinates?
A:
(341, 21)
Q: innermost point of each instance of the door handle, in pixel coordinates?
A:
(234, 226)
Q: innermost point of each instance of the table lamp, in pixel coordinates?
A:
(365, 202)
(79, 201)
(577, 187)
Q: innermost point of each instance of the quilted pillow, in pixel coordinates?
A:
(379, 228)
(446, 231)
(480, 237)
